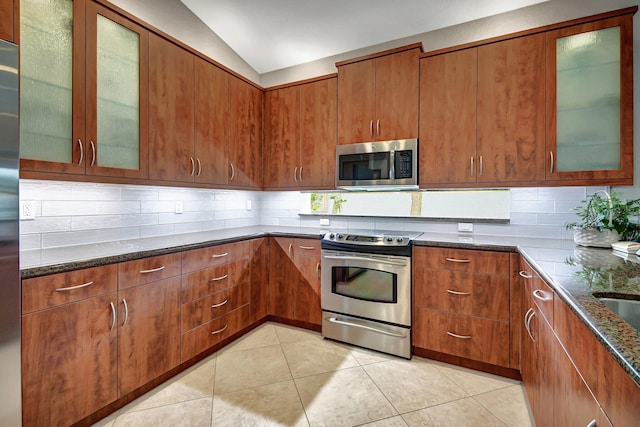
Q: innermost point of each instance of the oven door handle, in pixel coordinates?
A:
(358, 258)
(369, 328)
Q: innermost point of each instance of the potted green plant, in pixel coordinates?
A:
(604, 220)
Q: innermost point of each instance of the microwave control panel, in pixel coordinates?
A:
(403, 164)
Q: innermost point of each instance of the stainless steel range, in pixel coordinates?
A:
(366, 289)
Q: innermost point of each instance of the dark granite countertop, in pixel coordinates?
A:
(576, 274)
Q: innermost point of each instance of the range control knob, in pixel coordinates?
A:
(332, 236)
(340, 236)
(389, 239)
(399, 240)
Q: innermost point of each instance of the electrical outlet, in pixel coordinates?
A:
(27, 210)
(466, 227)
(324, 221)
(178, 206)
(249, 207)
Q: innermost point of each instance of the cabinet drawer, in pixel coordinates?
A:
(195, 313)
(470, 337)
(479, 295)
(542, 295)
(462, 260)
(306, 247)
(211, 333)
(146, 270)
(207, 257)
(204, 282)
(48, 291)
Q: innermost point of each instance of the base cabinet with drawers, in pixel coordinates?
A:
(461, 303)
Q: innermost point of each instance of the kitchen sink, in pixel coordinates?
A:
(627, 309)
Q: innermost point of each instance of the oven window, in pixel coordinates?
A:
(365, 284)
(366, 166)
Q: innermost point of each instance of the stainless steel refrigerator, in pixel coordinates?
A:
(10, 379)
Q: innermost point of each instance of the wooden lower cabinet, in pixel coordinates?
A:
(149, 332)
(294, 286)
(69, 362)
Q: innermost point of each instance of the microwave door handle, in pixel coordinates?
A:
(358, 258)
(392, 164)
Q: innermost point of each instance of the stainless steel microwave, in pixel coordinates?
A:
(378, 166)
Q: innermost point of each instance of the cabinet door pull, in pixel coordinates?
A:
(81, 152)
(464, 337)
(551, 165)
(540, 295)
(233, 172)
(152, 270)
(309, 248)
(193, 166)
(378, 127)
(371, 128)
(472, 168)
(219, 330)
(93, 153)
(295, 174)
(300, 174)
(593, 423)
(215, 279)
(458, 260)
(458, 292)
(318, 271)
(71, 288)
(126, 311)
(290, 247)
(199, 166)
(220, 255)
(481, 166)
(525, 275)
(113, 316)
(221, 304)
(527, 322)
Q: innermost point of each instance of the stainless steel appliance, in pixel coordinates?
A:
(10, 384)
(366, 289)
(378, 166)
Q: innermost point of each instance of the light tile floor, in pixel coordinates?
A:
(280, 375)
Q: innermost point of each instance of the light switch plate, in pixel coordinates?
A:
(466, 227)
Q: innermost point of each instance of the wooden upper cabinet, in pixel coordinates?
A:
(84, 102)
(245, 139)
(282, 136)
(590, 102)
(212, 116)
(378, 97)
(511, 110)
(7, 20)
(300, 135)
(448, 85)
(171, 112)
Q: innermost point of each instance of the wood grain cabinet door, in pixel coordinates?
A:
(448, 85)
(69, 361)
(6, 20)
(356, 102)
(148, 332)
(511, 110)
(306, 279)
(281, 288)
(171, 148)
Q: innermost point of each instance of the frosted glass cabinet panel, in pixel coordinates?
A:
(589, 102)
(84, 90)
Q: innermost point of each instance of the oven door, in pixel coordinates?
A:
(367, 285)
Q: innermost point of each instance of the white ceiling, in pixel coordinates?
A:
(274, 34)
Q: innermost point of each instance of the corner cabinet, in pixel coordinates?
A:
(590, 101)
(300, 135)
(378, 96)
(83, 84)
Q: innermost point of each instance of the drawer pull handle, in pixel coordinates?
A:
(126, 311)
(540, 295)
(221, 304)
(71, 288)
(458, 260)
(464, 337)
(220, 255)
(215, 279)
(458, 292)
(318, 270)
(219, 331)
(525, 275)
(153, 270)
(113, 316)
(592, 423)
(309, 248)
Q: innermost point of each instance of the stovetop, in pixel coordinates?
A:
(371, 238)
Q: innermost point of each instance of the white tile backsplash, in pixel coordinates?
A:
(84, 213)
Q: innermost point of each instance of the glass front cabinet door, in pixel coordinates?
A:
(84, 79)
(590, 102)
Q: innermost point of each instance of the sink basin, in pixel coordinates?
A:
(629, 310)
